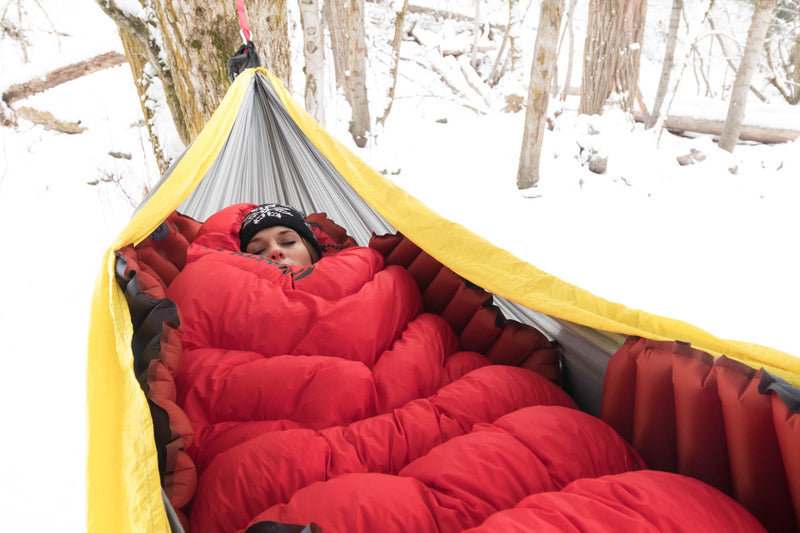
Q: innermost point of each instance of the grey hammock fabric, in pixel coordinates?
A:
(267, 158)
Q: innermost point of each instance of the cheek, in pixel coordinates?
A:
(301, 256)
(312, 254)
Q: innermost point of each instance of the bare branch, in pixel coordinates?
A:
(49, 122)
(47, 17)
(441, 13)
(730, 61)
(62, 75)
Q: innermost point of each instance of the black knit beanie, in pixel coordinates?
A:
(268, 215)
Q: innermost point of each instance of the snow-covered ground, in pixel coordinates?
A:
(700, 243)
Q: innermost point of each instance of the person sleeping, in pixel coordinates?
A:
(281, 234)
(281, 328)
(318, 389)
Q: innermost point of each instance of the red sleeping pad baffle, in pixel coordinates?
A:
(714, 419)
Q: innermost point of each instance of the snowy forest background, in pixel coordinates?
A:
(661, 221)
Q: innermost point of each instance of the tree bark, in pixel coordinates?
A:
(198, 38)
(186, 44)
(762, 14)
(790, 87)
(793, 73)
(494, 75)
(338, 42)
(145, 77)
(514, 36)
(668, 64)
(570, 49)
(476, 33)
(349, 43)
(399, 23)
(313, 46)
(692, 34)
(142, 48)
(729, 60)
(269, 22)
(612, 51)
(544, 59)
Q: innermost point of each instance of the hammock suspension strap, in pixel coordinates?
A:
(246, 56)
(244, 24)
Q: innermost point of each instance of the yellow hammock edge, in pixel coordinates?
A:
(501, 273)
(123, 485)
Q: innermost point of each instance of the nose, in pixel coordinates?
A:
(276, 254)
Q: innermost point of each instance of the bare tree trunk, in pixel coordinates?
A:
(142, 48)
(313, 46)
(399, 23)
(669, 62)
(476, 33)
(357, 79)
(144, 78)
(729, 60)
(349, 43)
(269, 22)
(790, 90)
(611, 53)
(692, 32)
(793, 73)
(792, 95)
(494, 75)
(196, 51)
(571, 49)
(544, 59)
(186, 45)
(762, 14)
(338, 42)
(514, 36)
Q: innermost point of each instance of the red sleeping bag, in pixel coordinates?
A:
(325, 394)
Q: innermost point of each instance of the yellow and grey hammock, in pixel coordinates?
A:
(261, 146)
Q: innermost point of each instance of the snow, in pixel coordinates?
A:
(132, 7)
(55, 227)
(698, 242)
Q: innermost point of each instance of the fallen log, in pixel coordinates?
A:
(21, 91)
(750, 132)
(449, 15)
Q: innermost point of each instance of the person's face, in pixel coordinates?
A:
(280, 244)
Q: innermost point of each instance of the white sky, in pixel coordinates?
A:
(696, 243)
